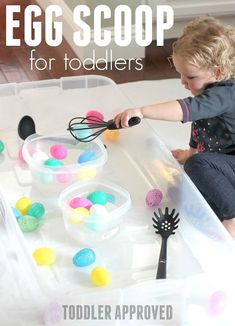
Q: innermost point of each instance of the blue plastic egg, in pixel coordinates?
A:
(84, 257)
(17, 213)
(86, 156)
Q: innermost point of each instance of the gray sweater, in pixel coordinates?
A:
(213, 117)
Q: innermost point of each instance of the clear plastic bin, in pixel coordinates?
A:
(138, 161)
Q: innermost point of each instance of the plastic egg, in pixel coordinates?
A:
(20, 156)
(87, 174)
(53, 314)
(98, 210)
(2, 146)
(45, 177)
(37, 210)
(40, 157)
(79, 214)
(80, 202)
(23, 205)
(83, 132)
(16, 212)
(94, 114)
(96, 224)
(100, 276)
(63, 177)
(84, 257)
(59, 152)
(44, 256)
(53, 162)
(28, 223)
(87, 156)
(153, 197)
(98, 197)
(217, 302)
(111, 135)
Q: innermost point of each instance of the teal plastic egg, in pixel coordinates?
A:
(96, 224)
(53, 162)
(37, 210)
(28, 223)
(84, 257)
(82, 133)
(2, 146)
(45, 177)
(98, 197)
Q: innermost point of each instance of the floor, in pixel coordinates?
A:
(15, 64)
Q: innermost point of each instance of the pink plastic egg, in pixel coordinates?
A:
(80, 202)
(217, 302)
(153, 197)
(63, 177)
(59, 152)
(95, 115)
(20, 156)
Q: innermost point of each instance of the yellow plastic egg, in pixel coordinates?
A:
(79, 214)
(87, 174)
(111, 135)
(44, 256)
(23, 205)
(100, 276)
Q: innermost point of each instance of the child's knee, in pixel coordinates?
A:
(194, 163)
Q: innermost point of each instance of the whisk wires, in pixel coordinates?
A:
(80, 124)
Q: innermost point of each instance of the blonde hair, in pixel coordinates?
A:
(207, 43)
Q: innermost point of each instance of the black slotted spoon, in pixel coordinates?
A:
(165, 225)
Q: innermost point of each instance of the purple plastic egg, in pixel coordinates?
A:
(153, 197)
(80, 202)
(59, 151)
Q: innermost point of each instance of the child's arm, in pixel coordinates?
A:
(181, 155)
(170, 111)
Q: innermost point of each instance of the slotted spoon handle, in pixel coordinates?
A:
(132, 122)
(161, 270)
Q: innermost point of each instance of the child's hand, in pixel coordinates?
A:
(181, 155)
(122, 119)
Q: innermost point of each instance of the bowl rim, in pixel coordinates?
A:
(70, 168)
(116, 213)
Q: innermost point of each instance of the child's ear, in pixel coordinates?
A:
(219, 74)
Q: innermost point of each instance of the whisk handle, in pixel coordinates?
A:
(132, 122)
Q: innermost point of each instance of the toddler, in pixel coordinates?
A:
(204, 56)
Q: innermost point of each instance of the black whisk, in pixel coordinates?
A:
(165, 225)
(81, 128)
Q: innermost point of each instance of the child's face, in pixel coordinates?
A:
(193, 78)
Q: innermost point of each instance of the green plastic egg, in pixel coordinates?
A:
(36, 210)
(28, 223)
